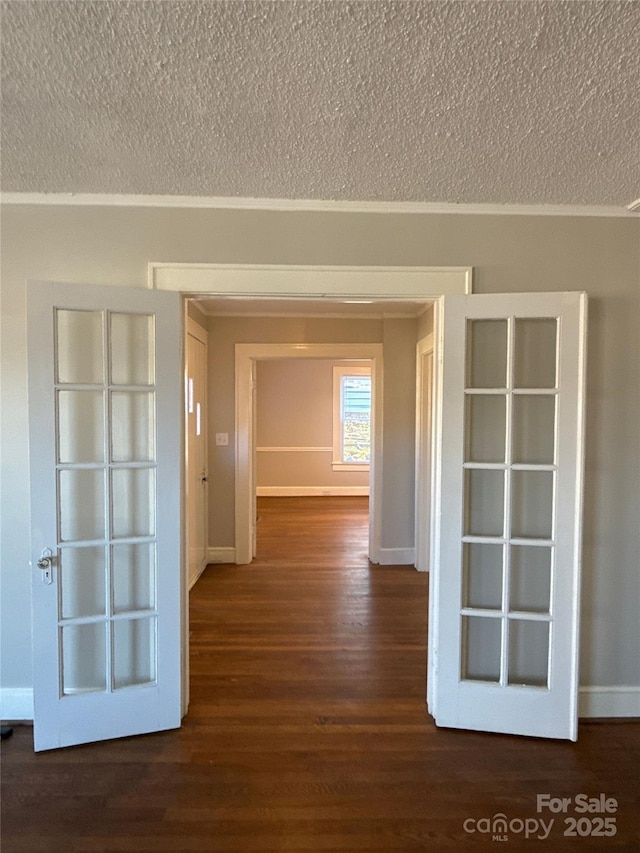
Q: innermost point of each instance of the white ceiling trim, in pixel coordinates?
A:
(308, 205)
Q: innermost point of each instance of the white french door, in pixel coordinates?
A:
(505, 586)
(105, 397)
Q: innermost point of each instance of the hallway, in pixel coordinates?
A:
(310, 626)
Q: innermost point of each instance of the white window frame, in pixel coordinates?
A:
(339, 372)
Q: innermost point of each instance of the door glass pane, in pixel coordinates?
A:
(132, 349)
(133, 497)
(530, 578)
(482, 576)
(80, 426)
(485, 427)
(534, 429)
(84, 658)
(481, 637)
(134, 652)
(535, 353)
(79, 347)
(528, 653)
(531, 504)
(82, 582)
(134, 577)
(486, 354)
(484, 502)
(81, 505)
(133, 426)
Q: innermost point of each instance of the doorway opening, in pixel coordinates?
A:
(312, 453)
(247, 359)
(393, 318)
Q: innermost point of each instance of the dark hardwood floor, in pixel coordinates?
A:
(308, 731)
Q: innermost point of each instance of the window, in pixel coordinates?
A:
(351, 418)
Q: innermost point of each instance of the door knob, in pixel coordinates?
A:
(46, 559)
(46, 564)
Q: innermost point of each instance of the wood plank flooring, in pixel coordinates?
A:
(307, 729)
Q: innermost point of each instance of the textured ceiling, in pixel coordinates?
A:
(516, 102)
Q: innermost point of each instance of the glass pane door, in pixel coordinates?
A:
(507, 551)
(509, 491)
(105, 378)
(106, 464)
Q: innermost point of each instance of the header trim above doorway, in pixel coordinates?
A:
(304, 281)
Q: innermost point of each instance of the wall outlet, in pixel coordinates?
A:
(222, 439)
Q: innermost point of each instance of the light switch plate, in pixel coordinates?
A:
(222, 439)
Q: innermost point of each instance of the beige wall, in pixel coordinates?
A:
(509, 253)
(225, 332)
(399, 432)
(294, 409)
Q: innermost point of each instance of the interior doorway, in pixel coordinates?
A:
(312, 454)
(247, 357)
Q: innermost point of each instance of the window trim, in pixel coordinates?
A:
(339, 372)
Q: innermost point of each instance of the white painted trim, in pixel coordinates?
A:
(424, 452)
(16, 704)
(193, 580)
(436, 501)
(310, 205)
(310, 491)
(617, 701)
(294, 449)
(395, 556)
(221, 555)
(300, 282)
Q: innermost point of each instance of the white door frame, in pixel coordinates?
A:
(268, 281)
(424, 450)
(246, 356)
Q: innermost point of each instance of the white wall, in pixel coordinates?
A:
(520, 253)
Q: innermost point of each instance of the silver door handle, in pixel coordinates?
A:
(46, 559)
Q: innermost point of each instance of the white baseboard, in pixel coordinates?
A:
(221, 555)
(193, 580)
(16, 704)
(310, 491)
(395, 556)
(623, 701)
